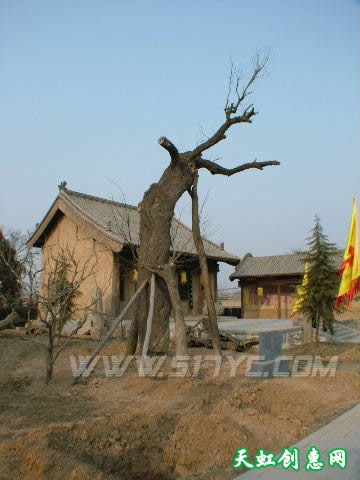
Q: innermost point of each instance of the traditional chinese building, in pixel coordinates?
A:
(268, 285)
(109, 232)
(232, 305)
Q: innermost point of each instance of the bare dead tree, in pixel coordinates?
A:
(63, 277)
(158, 204)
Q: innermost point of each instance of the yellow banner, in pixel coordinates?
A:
(350, 270)
(301, 292)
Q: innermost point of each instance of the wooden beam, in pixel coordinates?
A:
(243, 306)
(279, 301)
(115, 290)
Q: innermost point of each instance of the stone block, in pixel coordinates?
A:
(270, 345)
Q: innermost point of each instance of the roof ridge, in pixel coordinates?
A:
(289, 264)
(99, 199)
(296, 254)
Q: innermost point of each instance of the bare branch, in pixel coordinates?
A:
(170, 147)
(216, 169)
(123, 223)
(231, 109)
(220, 133)
(230, 87)
(70, 337)
(259, 63)
(203, 133)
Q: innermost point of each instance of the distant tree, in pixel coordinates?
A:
(10, 275)
(21, 268)
(318, 297)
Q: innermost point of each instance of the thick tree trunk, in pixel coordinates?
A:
(156, 213)
(213, 326)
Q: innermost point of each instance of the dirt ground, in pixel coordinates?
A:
(159, 428)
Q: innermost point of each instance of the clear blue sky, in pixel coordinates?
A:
(87, 87)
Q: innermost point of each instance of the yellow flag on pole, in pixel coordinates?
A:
(350, 269)
(301, 292)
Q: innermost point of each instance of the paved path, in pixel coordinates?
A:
(244, 327)
(253, 326)
(344, 432)
(250, 327)
(343, 333)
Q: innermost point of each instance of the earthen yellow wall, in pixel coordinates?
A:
(67, 235)
(254, 311)
(271, 311)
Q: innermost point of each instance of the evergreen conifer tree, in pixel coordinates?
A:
(10, 275)
(317, 302)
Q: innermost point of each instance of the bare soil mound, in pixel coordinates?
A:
(124, 446)
(131, 428)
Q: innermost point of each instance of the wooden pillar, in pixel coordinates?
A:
(115, 287)
(200, 294)
(195, 292)
(243, 306)
(215, 283)
(279, 300)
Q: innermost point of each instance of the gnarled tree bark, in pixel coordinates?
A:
(157, 211)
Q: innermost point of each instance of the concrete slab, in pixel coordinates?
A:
(245, 327)
(343, 432)
(253, 326)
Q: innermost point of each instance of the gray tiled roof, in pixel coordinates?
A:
(121, 221)
(273, 265)
(124, 222)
